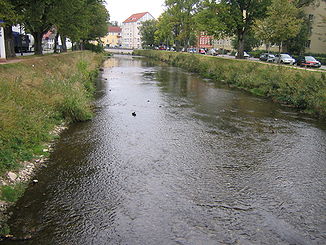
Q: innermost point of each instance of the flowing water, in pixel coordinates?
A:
(198, 164)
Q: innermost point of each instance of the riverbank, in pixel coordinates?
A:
(305, 90)
(38, 97)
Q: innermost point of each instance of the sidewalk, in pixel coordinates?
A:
(10, 61)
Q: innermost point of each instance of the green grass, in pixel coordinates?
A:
(12, 193)
(305, 90)
(36, 95)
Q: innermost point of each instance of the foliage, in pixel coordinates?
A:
(78, 19)
(31, 103)
(280, 24)
(35, 18)
(8, 13)
(180, 15)
(94, 48)
(297, 44)
(231, 18)
(303, 89)
(147, 33)
(164, 34)
(251, 42)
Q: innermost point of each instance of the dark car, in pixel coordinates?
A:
(267, 57)
(308, 61)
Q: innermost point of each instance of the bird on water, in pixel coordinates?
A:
(134, 114)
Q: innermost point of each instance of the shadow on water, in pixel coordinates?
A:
(199, 164)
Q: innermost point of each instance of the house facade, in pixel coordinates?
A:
(317, 16)
(204, 41)
(130, 30)
(113, 37)
(224, 44)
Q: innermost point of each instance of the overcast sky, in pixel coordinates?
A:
(120, 10)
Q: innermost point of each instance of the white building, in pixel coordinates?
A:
(130, 30)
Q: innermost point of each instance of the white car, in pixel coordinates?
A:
(284, 59)
(244, 54)
(212, 52)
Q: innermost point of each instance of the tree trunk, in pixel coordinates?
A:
(38, 42)
(56, 42)
(63, 44)
(241, 45)
(9, 42)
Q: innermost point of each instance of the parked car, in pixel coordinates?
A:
(202, 51)
(284, 59)
(244, 54)
(191, 50)
(212, 52)
(308, 61)
(267, 57)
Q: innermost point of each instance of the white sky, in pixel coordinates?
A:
(120, 10)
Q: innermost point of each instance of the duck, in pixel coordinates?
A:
(134, 114)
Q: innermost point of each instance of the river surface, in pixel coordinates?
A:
(198, 164)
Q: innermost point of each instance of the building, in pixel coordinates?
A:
(48, 41)
(223, 44)
(113, 37)
(317, 40)
(130, 30)
(204, 41)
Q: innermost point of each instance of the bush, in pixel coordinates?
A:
(94, 48)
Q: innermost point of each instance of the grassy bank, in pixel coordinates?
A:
(306, 90)
(38, 93)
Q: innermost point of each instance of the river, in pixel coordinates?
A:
(200, 163)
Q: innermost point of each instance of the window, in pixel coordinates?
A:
(311, 17)
(308, 43)
(310, 31)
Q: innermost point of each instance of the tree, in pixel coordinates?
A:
(35, 18)
(164, 34)
(10, 17)
(297, 44)
(80, 20)
(180, 14)
(280, 24)
(231, 18)
(147, 33)
(251, 42)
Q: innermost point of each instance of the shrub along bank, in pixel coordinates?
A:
(306, 90)
(39, 93)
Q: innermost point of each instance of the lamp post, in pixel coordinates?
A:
(21, 40)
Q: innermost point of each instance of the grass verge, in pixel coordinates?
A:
(305, 90)
(38, 93)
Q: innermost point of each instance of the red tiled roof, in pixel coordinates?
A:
(135, 17)
(114, 29)
(47, 35)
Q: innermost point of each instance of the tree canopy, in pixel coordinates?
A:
(180, 15)
(147, 33)
(231, 18)
(78, 19)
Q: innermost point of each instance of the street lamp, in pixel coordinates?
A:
(21, 40)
